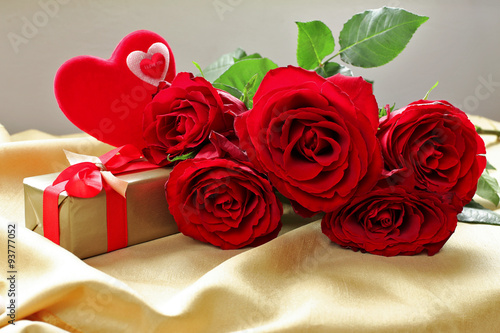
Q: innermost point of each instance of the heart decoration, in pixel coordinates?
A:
(153, 67)
(106, 98)
(150, 66)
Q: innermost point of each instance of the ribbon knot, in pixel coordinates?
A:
(87, 174)
(101, 167)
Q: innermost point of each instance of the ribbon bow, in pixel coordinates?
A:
(85, 178)
(87, 174)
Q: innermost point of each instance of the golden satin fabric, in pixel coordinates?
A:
(298, 282)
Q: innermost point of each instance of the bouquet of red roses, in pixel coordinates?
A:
(389, 185)
(384, 181)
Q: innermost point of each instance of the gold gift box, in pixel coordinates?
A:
(83, 225)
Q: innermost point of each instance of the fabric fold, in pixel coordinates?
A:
(296, 282)
(300, 281)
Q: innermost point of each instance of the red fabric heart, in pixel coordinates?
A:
(103, 97)
(153, 67)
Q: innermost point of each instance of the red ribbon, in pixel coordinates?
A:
(84, 180)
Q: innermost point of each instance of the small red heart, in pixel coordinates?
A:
(153, 67)
(104, 98)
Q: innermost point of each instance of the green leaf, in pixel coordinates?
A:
(214, 70)
(479, 215)
(250, 56)
(487, 188)
(489, 166)
(248, 87)
(332, 68)
(432, 88)
(199, 68)
(375, 37)
(232, 90)
(183, 157)
(382, 112)
(239, 74)
(315, 42)
(474, 204)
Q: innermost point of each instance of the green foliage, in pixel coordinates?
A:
(248, 89)
(375, 37)
(315, 41)
(243, 78)
(332, 68)
(487, 188)
(368, 39)
(215, 69)
(183, 157)
(197, 65)
(489, 166)
(475, 213)
(232, 90)
(429, 91)
(382, 112)
(250, 56)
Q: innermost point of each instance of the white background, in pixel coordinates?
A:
(459, 46)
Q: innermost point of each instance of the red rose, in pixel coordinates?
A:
(180, 117)
(314, 137)
(433, 146)
(391, 221)
(223, 202)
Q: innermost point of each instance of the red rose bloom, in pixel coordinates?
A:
(433, 146)
(223, 202)
(391, 221)
(180, 117)
(314, 137)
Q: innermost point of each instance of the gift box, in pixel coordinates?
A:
(101, 204)
(83, 222)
